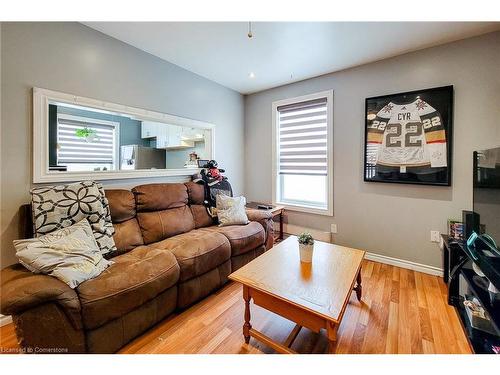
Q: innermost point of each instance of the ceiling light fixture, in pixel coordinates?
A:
(250, 35)
(251, 75)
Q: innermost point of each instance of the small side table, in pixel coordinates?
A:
(276, 211)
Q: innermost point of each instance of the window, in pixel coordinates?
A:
(303, 165)
(84, 143)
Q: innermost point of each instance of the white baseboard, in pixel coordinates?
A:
(4, 320)
(296, 230)
(327, 237)
(402, 263)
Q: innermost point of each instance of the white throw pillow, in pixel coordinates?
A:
(70, 254)
(231, 211)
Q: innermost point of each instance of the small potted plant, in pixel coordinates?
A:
(306, 246)
(90, 135)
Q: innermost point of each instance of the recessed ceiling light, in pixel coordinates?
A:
(251, 75)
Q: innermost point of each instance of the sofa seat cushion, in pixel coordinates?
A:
(197, 251)
(135, 278)
(242, 238)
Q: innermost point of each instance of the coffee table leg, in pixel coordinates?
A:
(358, 288)
(246, 326)
(331, 332)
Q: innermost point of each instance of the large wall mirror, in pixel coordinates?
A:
(77, 138)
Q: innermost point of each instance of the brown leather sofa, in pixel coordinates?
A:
(170, 255)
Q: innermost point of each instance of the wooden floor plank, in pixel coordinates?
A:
(213, 343)
(8, 340)
(422, 301)
(428, 347)
(402, 311)
(348, 326)
(460, 339)
(395, 273)
(414, 322)
(364, 314)
(367, 269)
(358, 339)
(404, 335)
(376, 330)
(403, 277)
(444, 340)
(395, 291)
(391, 346)
(425, 324)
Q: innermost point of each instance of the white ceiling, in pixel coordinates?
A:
(282, 52)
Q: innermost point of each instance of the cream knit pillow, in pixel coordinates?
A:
(231, 211)
(70, 254)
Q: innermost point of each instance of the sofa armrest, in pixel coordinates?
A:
(23, 290)
(265, 218)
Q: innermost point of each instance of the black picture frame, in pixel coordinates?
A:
(202, 162)
(387, 160)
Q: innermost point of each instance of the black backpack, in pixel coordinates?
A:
(212, 190)
(213, 186)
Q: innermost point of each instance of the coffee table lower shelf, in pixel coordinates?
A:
(280, 348)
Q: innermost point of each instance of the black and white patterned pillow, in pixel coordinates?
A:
(57, 207)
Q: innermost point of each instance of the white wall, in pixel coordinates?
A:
(388, 219)
(73, 58)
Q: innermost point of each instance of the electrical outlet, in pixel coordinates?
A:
(435, 236)
(333, 228)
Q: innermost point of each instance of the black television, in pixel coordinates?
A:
(486, 192)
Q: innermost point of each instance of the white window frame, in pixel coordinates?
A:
(114, 124)
(276, 184)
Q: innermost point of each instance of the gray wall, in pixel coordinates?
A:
(72, 58)
(388, 219)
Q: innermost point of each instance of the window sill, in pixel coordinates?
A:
(111, 175)
(306, 209)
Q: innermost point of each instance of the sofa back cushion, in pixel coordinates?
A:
(121, 205)
(124, 217)
(196, 196)
(162, 211)
(157, 197)
(196, 192)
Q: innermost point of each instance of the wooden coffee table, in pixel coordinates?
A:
(313, 295)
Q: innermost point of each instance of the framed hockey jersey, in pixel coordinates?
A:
(408, 137)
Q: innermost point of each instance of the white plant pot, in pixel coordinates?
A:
(306, 253)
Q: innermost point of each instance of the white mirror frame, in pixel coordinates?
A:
(41, 173)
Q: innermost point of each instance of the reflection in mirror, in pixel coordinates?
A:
(84, 139)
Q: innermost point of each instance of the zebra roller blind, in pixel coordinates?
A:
(71, 148)
(303, 138)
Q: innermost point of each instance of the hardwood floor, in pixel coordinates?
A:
(402, 311)
(8, 340)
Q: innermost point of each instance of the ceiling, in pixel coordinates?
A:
(282, 52)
